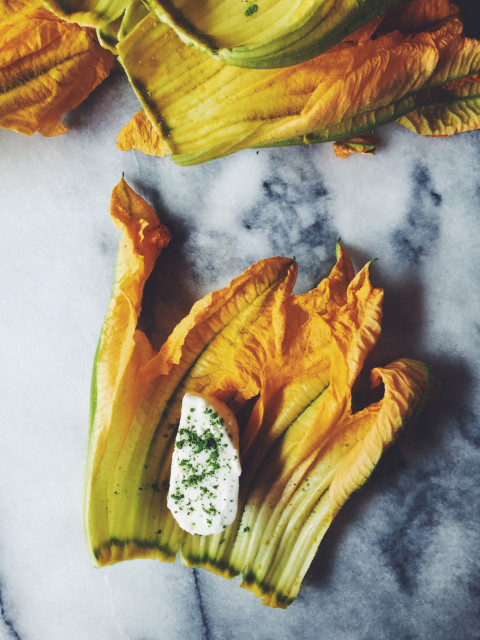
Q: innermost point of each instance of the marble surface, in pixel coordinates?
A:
(401, 560)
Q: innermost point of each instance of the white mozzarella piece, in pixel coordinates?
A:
(204, 480)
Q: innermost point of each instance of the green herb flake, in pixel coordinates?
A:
(211, 510)
(194, 479)
(177, 496)
(251, 10)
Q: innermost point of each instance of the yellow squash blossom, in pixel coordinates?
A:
(200, 108)
(303, 449)
(47, 66)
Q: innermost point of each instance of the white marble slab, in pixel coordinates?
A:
(401, 561)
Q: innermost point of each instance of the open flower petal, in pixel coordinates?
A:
(122, 350)
(454, 109)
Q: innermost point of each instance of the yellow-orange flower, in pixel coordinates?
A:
(47, 66)
(303, 450)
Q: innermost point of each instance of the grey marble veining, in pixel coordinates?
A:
(401, 560)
